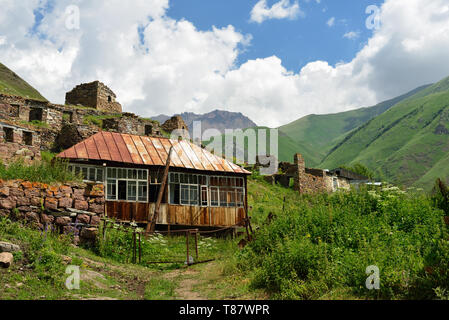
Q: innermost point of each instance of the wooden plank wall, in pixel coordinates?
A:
(176, 214)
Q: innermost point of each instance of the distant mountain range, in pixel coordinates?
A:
(404, 140)
(217, 119)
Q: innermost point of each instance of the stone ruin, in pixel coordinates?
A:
(29, 126)
(307, 180)
(94, 95)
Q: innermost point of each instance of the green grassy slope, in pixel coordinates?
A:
(404, 143)
(12, 84)
(315, 135)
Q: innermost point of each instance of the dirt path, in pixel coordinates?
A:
(188, 280)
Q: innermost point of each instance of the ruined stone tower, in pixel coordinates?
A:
(300, 172)
(94, 95)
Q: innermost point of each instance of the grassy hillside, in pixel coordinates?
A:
(315, 135)
(406, 142)
(12, 84)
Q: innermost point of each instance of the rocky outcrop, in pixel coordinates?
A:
(8, 247)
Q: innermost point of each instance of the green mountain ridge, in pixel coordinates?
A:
(316, 135)
(408, 144)
(12, 84)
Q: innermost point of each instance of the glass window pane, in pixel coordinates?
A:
(85, 173)
(132, 190)
(143, 191)
(144, 175)
(111, 190)
(99, 175)
(193, 195)
(92, 174)
(204, 196)
(184, 194)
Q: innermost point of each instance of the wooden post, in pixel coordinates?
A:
(140, 247)
(187, 245)
(151, 226)
(196, 244)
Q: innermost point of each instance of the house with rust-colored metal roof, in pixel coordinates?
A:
(202, 189)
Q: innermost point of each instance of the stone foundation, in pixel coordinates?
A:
(69, 208)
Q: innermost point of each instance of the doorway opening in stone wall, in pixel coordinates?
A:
(28, 138)
(9, 134)
(36, 114)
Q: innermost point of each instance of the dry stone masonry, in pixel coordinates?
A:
(29, 126)
(94, 95)
(69, 208)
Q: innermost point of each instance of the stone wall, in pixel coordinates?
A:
(175, 123)
(16, 142)
(95, 95)
(132, 124)
(68, 208)
(62, 126)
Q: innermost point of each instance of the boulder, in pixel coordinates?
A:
(65, 202)
(6, 260)
(83, 218)
(8, 247)
(95, 220)
(81, 205)
(89, 233)
(63, 221)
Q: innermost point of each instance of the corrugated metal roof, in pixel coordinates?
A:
(152, 151)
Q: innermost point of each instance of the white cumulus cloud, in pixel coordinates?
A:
(157, 64)
(283, 9)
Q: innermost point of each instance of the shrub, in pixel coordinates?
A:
(324, 243)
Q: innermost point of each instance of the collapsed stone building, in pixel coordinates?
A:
(29, 126)
(307, 180)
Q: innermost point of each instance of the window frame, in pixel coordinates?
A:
(72, 167)
(213, 189)
(139, 182)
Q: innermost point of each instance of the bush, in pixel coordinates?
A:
(325, 243)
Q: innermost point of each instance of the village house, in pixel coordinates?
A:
(203, 190)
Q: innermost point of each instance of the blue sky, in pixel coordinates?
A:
(165, 56)
(297, 42)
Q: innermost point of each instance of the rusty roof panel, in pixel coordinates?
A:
(191, 155)
(91, 148)
(202, 158)
(101, 146)
(125, 154)
(135, 155)
(181, 154)
(142, 151)
(108, 146)
(112, 147)
(175, 158)
(152, 151)
(81, 151)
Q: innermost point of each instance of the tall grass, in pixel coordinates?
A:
(45, 171)
(321, 246)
